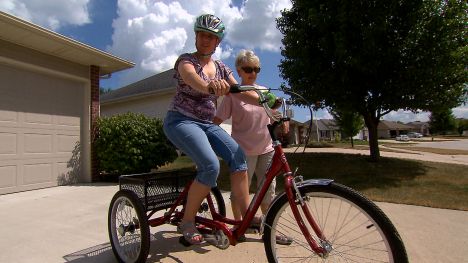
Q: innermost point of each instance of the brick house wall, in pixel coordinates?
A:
(94, 79)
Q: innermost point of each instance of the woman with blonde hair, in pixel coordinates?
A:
(249, 129)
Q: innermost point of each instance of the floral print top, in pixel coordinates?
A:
(191, 102)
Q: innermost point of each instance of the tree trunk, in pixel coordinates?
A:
(372, 123)
(352, 142)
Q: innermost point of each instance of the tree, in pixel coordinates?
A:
(441, 121)
(462, 125)
(350, 123)
(374, 57)
(104, 90)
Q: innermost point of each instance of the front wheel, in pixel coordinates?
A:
(355, 229)
(128, 228)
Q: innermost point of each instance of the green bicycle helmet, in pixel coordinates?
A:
(211, 24)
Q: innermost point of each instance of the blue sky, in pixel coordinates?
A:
(153, 33)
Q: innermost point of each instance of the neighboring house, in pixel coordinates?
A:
(297, 132)
(391, 129)
(327, 130)
(324, 129)
(363, 134)
(49, 102)
(421, 127)
(150, 96)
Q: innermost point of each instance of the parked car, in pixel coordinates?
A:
(415, 135)
(403, 138)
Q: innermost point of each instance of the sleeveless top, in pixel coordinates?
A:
(191, 102)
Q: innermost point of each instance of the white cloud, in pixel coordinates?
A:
(52, 14)
(256, 27)
(154, 33)
(407, 116)
(461, 112)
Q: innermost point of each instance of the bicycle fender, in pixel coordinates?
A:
(316, 182)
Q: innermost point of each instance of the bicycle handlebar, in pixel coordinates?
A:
(236, 88)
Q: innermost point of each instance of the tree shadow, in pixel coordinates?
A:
(74, 168)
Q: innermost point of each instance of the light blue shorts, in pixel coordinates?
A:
(203, 143)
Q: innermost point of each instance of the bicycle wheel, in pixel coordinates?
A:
(218, 202)
(128, 227)
(356, 229)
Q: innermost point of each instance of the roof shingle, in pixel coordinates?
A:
(153, 84)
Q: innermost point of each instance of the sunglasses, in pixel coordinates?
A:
(250, 69)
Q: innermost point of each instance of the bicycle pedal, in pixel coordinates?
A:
(252, 230)
(218, 240)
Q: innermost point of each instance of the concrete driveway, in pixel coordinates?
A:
(69, 224)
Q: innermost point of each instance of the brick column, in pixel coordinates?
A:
(94, 111)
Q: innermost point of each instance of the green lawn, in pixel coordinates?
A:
(391, 180)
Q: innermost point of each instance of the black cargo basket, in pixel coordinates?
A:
(157, 190)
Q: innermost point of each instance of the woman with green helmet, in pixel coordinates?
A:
(188, 123)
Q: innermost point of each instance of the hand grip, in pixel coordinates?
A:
(235, 88)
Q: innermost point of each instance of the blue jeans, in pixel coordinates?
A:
(203, 143)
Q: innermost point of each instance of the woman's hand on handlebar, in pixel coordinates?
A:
(218, 87)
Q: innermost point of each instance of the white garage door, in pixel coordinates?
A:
(40, 117)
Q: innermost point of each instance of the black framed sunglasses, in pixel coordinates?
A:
(250, 69)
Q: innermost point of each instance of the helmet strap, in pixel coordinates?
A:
(204, 55)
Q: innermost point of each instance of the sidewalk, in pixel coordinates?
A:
(69, 224)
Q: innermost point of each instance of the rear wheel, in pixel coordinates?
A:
(128, 228)
(355, 228)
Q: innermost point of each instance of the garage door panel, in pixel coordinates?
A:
(8, 143)
(37, 118)
(67, 143)
(8, 116)
(37, 173)
(37, 143)
(8, 175)
(71, 121)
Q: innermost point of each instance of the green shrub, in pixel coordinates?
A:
(132, 143)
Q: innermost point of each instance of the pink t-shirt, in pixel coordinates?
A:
(249, 124)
